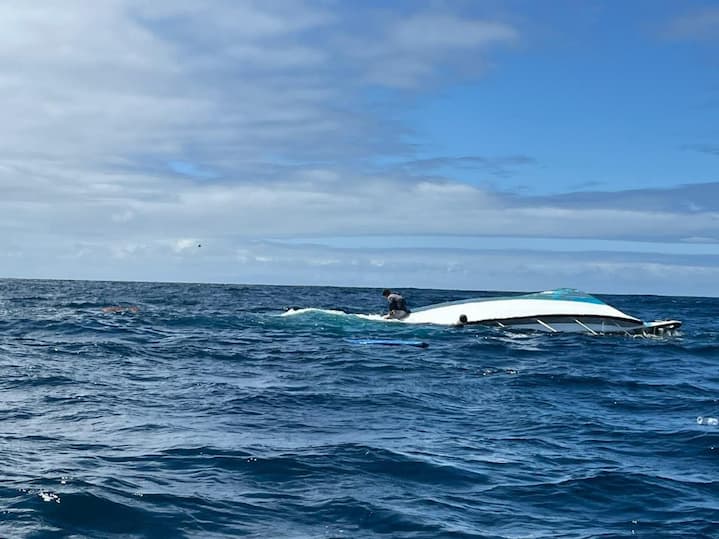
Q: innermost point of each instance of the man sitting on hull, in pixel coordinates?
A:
(397, 305)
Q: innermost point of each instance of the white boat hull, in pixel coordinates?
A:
(554, 311)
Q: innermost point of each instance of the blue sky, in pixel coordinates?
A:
(483, 145)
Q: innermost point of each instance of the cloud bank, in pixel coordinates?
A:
(135, 132)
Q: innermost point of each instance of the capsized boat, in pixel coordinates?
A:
(554, 311)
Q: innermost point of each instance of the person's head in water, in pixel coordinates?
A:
(386, 292)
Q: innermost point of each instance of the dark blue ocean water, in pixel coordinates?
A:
(207, 414)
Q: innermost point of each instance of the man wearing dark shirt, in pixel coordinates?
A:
(397, 306)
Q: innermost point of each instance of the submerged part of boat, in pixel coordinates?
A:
(553, 311)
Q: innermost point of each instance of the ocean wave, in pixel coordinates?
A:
(210, 413)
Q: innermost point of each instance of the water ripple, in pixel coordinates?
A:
(206, 413)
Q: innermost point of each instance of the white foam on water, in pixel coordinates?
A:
(49, 496)
(332, 312)
(375, 317)
(293, 312)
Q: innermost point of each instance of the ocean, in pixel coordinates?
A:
(207, 413)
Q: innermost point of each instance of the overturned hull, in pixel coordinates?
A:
(595, 325)
(553, 311)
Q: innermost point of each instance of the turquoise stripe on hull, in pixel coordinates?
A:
(561, 294)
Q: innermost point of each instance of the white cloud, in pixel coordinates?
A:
(123, 216)
(185, 244)
(406, 50)
(127, 83)
(437, 33)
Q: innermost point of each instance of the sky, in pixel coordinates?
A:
(453, 144)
